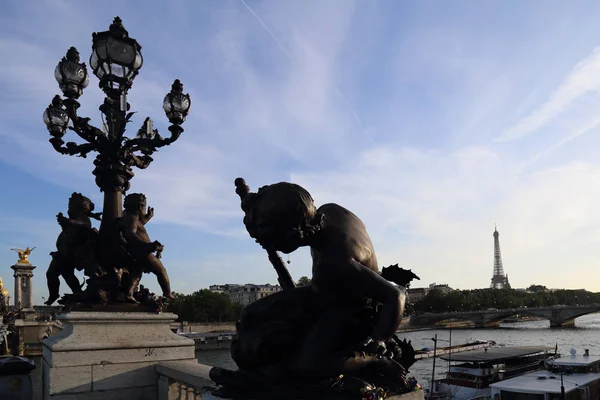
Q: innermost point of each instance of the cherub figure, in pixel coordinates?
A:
(23, 255)
(328, 327)
(75, 247)
(139, 246)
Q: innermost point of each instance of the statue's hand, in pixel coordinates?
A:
(150, 213)
(376, 347)
(61, 219)
(399, 276)
(156, 246)
(406, 352)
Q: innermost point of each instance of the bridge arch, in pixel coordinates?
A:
(559, 316)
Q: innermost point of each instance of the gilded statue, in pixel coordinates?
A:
(24, 255)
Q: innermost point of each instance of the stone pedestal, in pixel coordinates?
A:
(23, 296)
(110, 355)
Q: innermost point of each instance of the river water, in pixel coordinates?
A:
(585, 335)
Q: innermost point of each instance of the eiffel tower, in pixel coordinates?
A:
(499, 280)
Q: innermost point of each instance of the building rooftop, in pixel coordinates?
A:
(544, 382)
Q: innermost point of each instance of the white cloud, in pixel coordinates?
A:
(582, 79)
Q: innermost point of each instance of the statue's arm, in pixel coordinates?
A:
(129, 230)
(77, 223)
(80, 223)
(370, 284)
(144, 220)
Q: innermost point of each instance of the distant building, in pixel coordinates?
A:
(416, 294)
(222, 288)
(444, 288)
(245, 294)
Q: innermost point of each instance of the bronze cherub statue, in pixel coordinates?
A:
(75, 247)
(344, 322)
(113, 263)
(141, 250)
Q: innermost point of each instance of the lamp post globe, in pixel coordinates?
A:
(55, 118)
(116, 58)
(177, 104)
(71, 75)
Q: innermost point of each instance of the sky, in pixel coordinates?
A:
(432, 121)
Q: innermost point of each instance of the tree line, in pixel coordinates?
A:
(482, 299)
(207, 306)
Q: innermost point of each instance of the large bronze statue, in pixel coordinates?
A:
(344, 322)
(75, 247)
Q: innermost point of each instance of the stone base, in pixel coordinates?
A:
(110, 355)
(184, 380)
(417, 395)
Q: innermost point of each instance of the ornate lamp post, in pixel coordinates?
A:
(116, 60)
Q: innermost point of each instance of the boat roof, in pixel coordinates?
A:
(544, 382)
(495, 353)
(576, 360)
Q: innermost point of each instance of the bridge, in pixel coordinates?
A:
(559, 316)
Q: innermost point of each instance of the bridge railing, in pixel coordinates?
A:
(182, 380)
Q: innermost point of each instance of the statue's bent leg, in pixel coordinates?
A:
(90, 266)
(69, 277)
(325, 352)
(53, 281)
(157, 268)
(133, 280)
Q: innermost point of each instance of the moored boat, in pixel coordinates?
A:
(574, 377)
(471, 373)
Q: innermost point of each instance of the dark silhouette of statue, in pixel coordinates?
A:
(75, 247)
(141, 250)
(113, 272)
(344, 322)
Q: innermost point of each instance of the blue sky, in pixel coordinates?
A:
(432, 121)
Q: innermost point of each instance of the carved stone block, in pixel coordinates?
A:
(110, 353)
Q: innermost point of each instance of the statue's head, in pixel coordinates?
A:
(79, 204)
(135, 203)
(281, 216)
